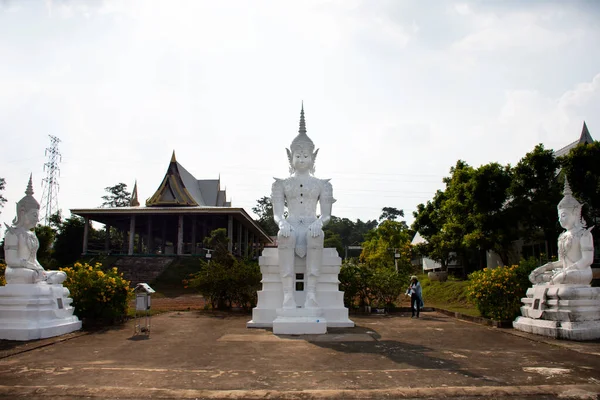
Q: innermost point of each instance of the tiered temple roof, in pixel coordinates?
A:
(181, 188)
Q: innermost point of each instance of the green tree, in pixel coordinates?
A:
(117, 196)
(45, 235)
(534, 195)
(383, 242)
(69, 240)
(390, 213)
(264, 210)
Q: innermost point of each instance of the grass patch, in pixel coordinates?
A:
(450, 295)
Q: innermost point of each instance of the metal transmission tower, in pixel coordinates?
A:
(50, 182)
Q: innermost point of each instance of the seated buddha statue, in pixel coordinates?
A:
(21, 246)
(575, 247)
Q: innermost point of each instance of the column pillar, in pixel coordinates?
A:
(131, 235)
(149, 239)
(230, 233)
(107, 239)
(245, 241)
(193, 234)
(86, 233)
(180, 235)
(239, 238)
(163, 235)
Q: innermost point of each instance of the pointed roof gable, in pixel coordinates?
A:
(584, 138)
(181, 188)
(585, 135)
(134, 197)
(173, 191)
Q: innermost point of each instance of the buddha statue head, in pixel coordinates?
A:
(302, 154)
(569, 209)
(28, 209)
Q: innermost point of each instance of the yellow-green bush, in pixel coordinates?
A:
(98, 294)
(2, 279)
(497, 292)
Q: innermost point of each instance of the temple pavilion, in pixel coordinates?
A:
(176, 218)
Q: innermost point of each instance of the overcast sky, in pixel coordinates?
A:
(395, 92)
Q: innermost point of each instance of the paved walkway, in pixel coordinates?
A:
(193, 355)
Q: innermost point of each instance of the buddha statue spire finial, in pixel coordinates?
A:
(302, 122)
(29, 190)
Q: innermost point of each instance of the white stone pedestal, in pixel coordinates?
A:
(301, 321)
(329, 297)
(561, 311)
(35, 311)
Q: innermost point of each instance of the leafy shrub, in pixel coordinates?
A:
(364, 284)
(497, 292)
(98, 294)
(225, 284)
(385, 286)
(2, 279)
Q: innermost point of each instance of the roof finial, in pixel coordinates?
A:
(585, 135)
(29, 190)
(134, 196)
(173, 157)
(302, 122)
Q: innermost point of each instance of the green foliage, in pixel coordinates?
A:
(383, 242)
(117, 196)
(45, 235)
(363, 284)
(264, 210)
(69, 239)
(333, 240)
(225, 285)
(497, 292)
(97, 294)
(350, 233)
(390, 213)
(354, 280)
(385, 286)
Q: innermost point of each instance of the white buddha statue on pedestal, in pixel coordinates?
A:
(561, 303)
(300, 286)
(301, 232)
(33, 304)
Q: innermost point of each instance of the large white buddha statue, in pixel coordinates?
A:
(561, 303)
(575, 247)
(21, 246)
(301, 231)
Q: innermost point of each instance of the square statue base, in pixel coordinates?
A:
(329, 297)
(35, 311)
(566, 311)
(299, 321)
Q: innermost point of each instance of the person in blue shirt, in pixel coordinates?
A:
(416, 296)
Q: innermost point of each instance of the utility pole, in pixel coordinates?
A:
(50, 182)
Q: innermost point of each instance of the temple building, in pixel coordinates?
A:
(176, 218)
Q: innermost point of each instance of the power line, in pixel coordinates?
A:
(50, 182)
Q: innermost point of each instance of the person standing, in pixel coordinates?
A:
(416, 296)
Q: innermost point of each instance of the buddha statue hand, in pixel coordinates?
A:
(285, 229)
(316, 228)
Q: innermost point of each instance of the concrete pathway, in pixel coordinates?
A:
(193, 355)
